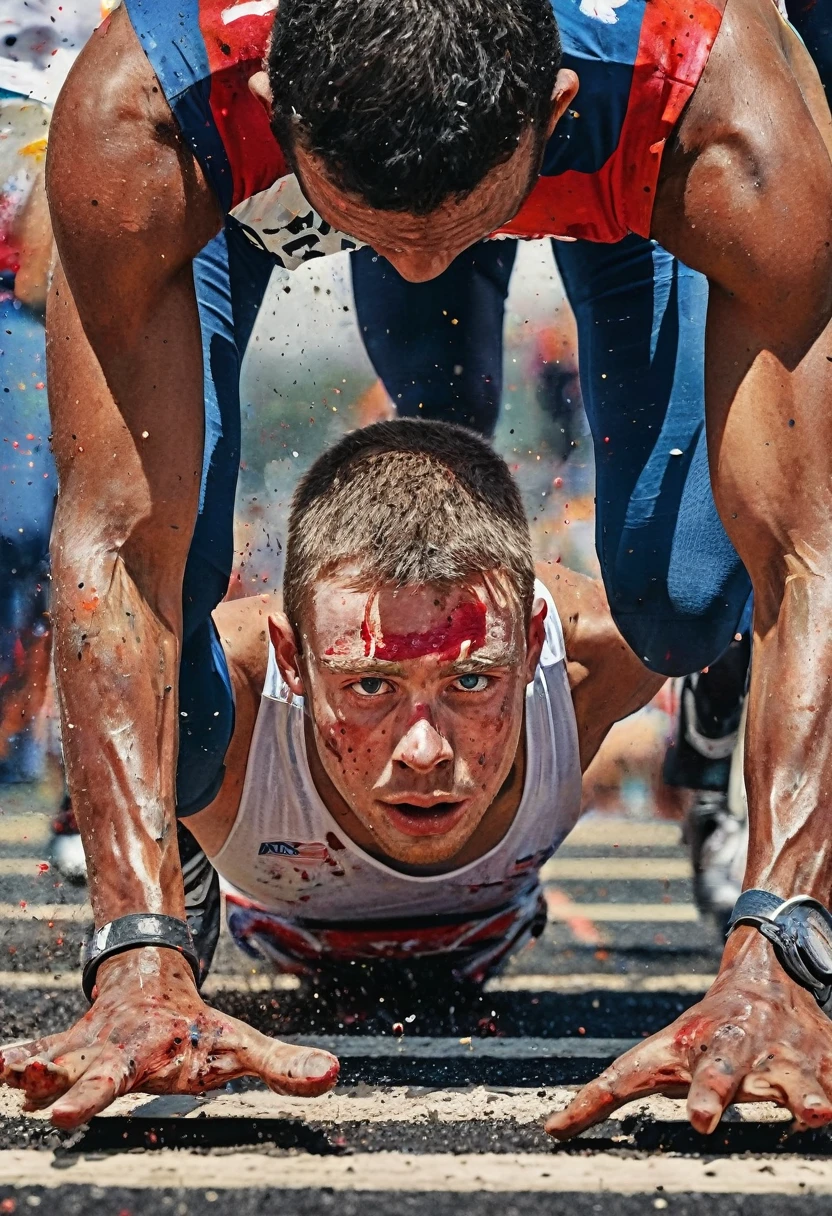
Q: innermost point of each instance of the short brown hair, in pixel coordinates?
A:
(407, 502)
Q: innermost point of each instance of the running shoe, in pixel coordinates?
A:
(66, 851)
(718, 842)
(202, 899)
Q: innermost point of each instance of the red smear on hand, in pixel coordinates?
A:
(692, 1030)
(465, 624)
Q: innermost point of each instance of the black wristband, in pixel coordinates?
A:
(754, 906)
(129, 932)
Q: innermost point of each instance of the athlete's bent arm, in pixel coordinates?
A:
(753, 210)
(130, 210)
(608, 681)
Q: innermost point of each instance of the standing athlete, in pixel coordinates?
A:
(420, 130)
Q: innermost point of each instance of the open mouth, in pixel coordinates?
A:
(433, 820)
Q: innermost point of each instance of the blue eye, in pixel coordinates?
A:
(370, 686)
(472, 683)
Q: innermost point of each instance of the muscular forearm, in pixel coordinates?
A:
(772, 490)
(788, 745)
(116, 665)
(126, 511)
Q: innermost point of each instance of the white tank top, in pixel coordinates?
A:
(286, 854)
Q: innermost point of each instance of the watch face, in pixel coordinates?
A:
(815, 937)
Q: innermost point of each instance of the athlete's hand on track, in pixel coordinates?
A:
(755, 1037)
(149, 1031)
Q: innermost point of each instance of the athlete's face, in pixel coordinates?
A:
(422, 246)
(416, 698)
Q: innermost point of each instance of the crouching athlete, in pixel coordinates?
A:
(407, 753)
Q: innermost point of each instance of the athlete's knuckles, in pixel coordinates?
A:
(757, 1087)
(11, 1057)
(779, 1061)
(38, 1075)
(301, 1086)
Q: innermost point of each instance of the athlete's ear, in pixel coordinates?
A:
(535, 637)
(563, 94)
(286, 651)
(260, 87)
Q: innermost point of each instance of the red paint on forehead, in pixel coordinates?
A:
(464, 624)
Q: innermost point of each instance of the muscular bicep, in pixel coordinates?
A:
(130, 210)
(745, 193)
(130, 206)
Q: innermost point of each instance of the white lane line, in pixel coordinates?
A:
(561, 909)
(385, 1104)
(682, 982)
(588, 869)
(609, 869)
(46, 912)
(602, 1173)
(27, 867)
(24, 829)
(625, 833)
(64, 981)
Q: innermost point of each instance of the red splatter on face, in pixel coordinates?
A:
(466, 623)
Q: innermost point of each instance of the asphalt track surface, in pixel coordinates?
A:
(443, 1119)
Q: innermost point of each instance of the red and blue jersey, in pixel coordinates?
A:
(638, 62)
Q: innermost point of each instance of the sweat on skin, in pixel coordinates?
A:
(416, 700)
(742, 196)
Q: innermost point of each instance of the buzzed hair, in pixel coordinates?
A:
(407, 502)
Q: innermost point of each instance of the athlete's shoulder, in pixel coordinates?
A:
(204, 53)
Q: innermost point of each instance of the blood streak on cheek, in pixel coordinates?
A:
(465, 624)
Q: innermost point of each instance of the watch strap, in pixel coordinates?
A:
(754, 906)
(132, 932)
(769, 914)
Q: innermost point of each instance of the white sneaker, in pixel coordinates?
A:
(68, 858)
(66, 851)
(718, 842)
